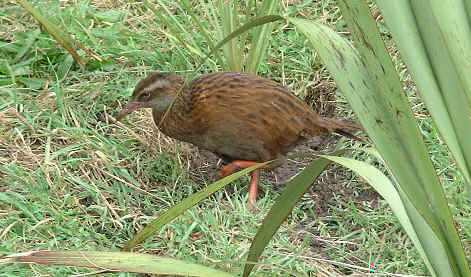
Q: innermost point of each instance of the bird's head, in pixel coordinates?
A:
(156, 91)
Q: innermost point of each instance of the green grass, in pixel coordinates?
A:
(71, 179)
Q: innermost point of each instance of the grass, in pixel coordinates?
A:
(71, 179)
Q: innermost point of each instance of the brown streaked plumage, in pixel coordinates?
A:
(243, 118)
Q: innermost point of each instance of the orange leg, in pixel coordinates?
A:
(255, 176)
(253, 188)
(231, 167)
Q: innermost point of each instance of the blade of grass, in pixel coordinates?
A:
(184, 205)
(60, 102)
(61, 37)
(244, 28)
(230, 22)
(261, 38)
(47, 148)
(115, 261)
(63, 150)
(282, 207)
(187, 7)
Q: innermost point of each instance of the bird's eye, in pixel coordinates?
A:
(145, 96)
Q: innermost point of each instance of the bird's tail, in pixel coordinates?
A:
(343, 127)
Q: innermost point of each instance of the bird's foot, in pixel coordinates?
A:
(254, 178)
(253, 189)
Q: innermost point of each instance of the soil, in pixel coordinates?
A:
(325, 192)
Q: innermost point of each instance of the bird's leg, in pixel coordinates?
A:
(232, 166)
(254, 177)
(253, 188)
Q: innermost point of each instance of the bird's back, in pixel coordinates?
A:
(243, 116)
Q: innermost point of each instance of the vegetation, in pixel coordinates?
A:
(72, 179)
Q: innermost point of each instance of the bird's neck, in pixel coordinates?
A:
(172, 122)
(160, 106)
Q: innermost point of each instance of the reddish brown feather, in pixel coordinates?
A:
(240, 116)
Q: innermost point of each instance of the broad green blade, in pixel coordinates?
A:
(116, 261)
(283, 206)
(432, 251)
(184, 205)
(379, 117)
(61, 37)
(436, 48)
(406, 156)
(372, 87)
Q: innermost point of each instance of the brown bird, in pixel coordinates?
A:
(243, 118)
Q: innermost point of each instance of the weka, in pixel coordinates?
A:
(243, 118)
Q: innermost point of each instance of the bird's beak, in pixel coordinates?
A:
(130, 107)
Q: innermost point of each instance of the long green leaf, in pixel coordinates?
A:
(282, 207)
(435, 46)
(373, 89)
(230, 22)
(184, 205)
(406, 155)
(261, 37)
(116, 261)
(432, 251)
